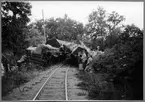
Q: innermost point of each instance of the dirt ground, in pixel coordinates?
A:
(74, 91)
(29, 89)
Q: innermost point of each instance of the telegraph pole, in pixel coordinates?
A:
(44, 26)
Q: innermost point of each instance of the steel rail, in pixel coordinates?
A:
(45, 83)
(66, 95)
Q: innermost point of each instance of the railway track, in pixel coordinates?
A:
(55, 86)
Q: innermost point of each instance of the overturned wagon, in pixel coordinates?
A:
(41, 54)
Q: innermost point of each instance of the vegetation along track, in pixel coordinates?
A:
(55, 86)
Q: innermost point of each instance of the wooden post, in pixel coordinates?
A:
(44, 26)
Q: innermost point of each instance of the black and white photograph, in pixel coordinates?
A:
(72, 50)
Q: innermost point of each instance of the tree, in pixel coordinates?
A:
(60, 28)
(51, 28)
(113, 21)
(97, 23)
(34, 37)
(111, 40)
(14, 20)
(39, 26)
(63, 28)
(131, 48)
(101, 25)
(124, 62)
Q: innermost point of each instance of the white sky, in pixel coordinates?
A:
(79, 10)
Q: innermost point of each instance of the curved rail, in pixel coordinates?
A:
(45, 83)
(66, 96)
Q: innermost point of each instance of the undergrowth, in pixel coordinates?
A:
(97, 87)
(20, 76)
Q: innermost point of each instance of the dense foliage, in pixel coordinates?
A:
(15, 16)
(102, 24)
(124, 62)
(14, 20)
(60, 28)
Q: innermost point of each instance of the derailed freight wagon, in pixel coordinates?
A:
(42, 54)
(62, 45)
(75, 49)
(59, 44)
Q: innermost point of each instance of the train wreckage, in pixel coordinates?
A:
(54, 50)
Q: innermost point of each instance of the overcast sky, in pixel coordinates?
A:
(79, 10)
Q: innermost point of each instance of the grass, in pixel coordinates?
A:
(15, 78)
(95, 84)
(12, 80)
